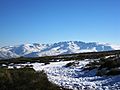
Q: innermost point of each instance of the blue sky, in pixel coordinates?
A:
(49, 21)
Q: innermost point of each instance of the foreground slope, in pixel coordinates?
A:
(85, 71)
(76, 78)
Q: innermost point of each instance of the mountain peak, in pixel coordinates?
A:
(67, 47)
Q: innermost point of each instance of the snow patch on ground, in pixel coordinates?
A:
(74, 77)
(77, 79)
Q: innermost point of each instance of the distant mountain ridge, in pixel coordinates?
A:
(68, 47)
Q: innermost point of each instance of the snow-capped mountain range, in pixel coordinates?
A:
(38, 50)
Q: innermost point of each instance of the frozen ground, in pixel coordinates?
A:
(77, 79)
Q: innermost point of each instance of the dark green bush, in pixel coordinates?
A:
(25, 79)
(71, 64)
(92, 65)
(105, 66)
(114, 71)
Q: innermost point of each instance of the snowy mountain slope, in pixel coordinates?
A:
(7, 54)
(37, 50)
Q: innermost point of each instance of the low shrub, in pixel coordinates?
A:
(25, 79)
(114, 71)
(70, 64)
